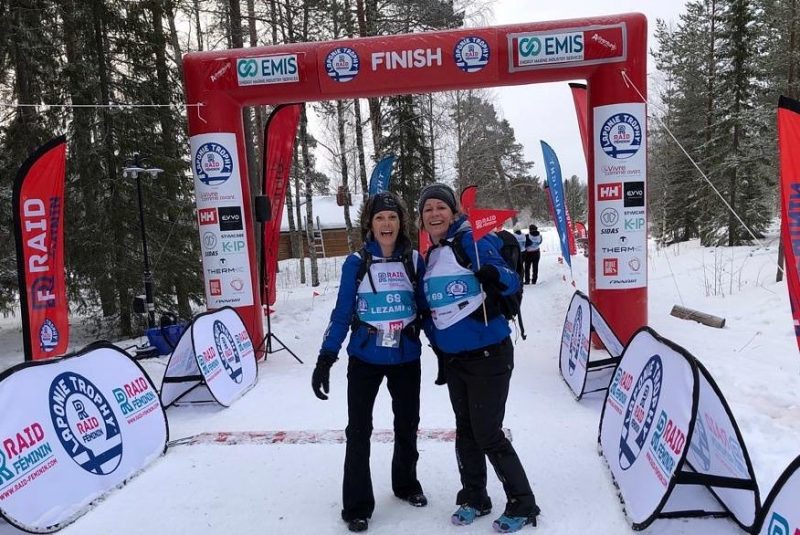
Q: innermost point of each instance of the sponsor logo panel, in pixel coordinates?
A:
(342, 64)
(471, 54)
(279, 69)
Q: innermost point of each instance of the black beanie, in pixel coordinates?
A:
(384, 201)
(443, 192)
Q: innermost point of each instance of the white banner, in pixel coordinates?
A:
(717, 449)
(220, 216)
(83, 425)
(781, 512)
(620, 175)
(215, 352)
(645, 422)
(574, 355)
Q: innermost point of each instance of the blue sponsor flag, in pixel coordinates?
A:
(556, 187)
(379, 181)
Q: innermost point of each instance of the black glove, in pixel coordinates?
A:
(488, 275)
(320, 379)
(441, 374)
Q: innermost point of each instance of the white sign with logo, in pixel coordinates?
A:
(582, 374)
(85, 425)
(213, 361)
(278, 69)
(620, 175)
(221, 220)
(645, 422)
(781, 514)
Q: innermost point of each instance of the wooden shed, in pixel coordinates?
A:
(330, 218)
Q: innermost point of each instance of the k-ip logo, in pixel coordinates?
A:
(213, 164)
(342, 64)
(230, 218)
(268, 70)
(472, 54)
(575, 341)
(85, 423)
(48, 336)
(641, 412)
(609, 192)
(207, 216)
(621, 136)
(634, 194)
(227, 351)
(25, 456)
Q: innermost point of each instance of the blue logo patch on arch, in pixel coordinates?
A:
(227, 351)
(213, 164)
(342, 64)
(471, 54)
(641, 412)
(85, 423)
(621, 136)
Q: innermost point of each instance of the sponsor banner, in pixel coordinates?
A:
(485, 220)
(788, 143)
(220, 209)
(38, 201)
(468, 195)
(780, 514)
(579, 372)
(266, 70)
(573, 358)
(717, 449)
(444, 60)
(620, 217)
(645, 423)
(214, 354)
(279, 136)
(556, 190)
(379, 181)
(581, 101)
(573, 46)
(90, 422)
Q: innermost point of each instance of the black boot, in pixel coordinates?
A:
(358, 524)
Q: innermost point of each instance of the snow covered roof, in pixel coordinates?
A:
(330, 215)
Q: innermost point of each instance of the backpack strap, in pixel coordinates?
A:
(363, 269)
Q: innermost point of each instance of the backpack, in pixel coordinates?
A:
(507, 305)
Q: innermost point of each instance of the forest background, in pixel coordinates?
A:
(108, 74)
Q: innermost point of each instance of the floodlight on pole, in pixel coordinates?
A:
(134, 167)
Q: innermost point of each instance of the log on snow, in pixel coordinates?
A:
(701, 317)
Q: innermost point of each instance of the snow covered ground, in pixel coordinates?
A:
(296, 488)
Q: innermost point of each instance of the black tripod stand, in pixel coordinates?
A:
(263, 213)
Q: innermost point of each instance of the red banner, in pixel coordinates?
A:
(468, 195)
(580, 98)
(279, 137)
(789, 148)
(39, 231)
(485, 220)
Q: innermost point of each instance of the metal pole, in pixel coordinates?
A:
(148, 276)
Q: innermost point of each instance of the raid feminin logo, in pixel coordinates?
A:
(85, 423)
(471, 54)
(641, 412)
(342, 64)
(227, 351)
(621, 136)
(213, 164)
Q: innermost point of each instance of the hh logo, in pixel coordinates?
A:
(207, 216)
(609, 192)
(610, 267)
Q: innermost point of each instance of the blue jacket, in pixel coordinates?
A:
(362, 344)
(470, 333)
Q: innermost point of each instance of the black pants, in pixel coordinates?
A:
(530, 260)
(363, 381)
(478, 388)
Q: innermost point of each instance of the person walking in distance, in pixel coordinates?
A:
(478, 356)
(532, 255)
(378, 301)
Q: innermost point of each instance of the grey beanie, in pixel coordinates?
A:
(440, 191)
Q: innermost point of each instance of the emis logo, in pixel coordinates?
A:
(85, 424)
(609, 192)
(279, 69)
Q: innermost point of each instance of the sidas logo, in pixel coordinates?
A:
(207, 216)
(609, 192)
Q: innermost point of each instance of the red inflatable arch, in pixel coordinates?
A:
(610, 53)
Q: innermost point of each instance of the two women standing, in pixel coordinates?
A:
(468, 334)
